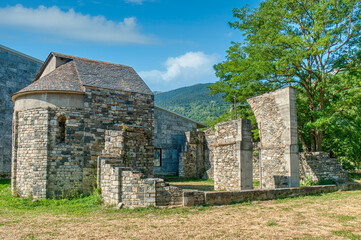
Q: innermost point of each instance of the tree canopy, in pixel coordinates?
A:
(313, 45)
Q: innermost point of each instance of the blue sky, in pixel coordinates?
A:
(170, 43)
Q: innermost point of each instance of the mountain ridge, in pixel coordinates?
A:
(193, 102)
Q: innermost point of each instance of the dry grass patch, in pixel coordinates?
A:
(328, 216)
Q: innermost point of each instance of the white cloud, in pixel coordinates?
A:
(187, 69)
(73, 25)
(139, 2)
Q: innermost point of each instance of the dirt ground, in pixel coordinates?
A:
(330, 216)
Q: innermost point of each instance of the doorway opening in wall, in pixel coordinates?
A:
(157, 157)
(61, 121)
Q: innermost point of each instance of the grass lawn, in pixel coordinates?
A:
(329, 216)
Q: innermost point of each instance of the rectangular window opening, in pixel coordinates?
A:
(157, 157)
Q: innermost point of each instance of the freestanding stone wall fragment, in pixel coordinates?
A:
(233, 156)
(191, 162)
(276, 116)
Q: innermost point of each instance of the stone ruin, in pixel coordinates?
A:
(233, 156)
(276, 115)
(60, 122)
(73, 132)
(230, 147)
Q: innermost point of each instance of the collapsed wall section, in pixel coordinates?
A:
(123, 185)
(192, 160)
(122, 168)
(317, 166)
(106, 107)
(233, 156)
(276, 116)
(169, 140)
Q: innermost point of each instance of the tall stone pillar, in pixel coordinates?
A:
(233, 156)
(276, 115)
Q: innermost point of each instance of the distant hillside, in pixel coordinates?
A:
(193, 102)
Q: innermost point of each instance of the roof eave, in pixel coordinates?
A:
(20, 94)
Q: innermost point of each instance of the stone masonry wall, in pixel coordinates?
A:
(191, 164)
(255, 156)
(129, 146)
(30, 153)
(233, 156)
(16, 72)
(318, 165)
(209, 141)
(276, 116)
(70, 166)
(121, 171)
(169, 136)
(65, 159)
(106, 107)
(123, 185)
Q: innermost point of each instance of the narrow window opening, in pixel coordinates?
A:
(61, 121)
(157, 157)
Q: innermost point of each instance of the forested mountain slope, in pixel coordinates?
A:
(193, 102)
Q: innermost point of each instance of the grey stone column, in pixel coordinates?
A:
(233, 156)
(276, 116)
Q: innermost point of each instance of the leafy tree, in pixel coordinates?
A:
(343, 121)
(308, 44)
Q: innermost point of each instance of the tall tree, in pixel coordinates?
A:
(303, 43)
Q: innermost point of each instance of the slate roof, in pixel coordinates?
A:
(63, 78)
(79, 72)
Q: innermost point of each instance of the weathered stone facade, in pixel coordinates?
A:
(276, 116)
(316, 166)
(29, 172)
(122, 168)
(233, 156)
(170, 139)
(255, 154)
(57, 166)
(209, 141)
(17, 70)
(191, 162)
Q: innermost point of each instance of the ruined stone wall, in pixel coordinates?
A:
(30, 153)
(105, 107)
(16, 72)
(121, 167)
(209, 140)
(169, 136)
(110, 181)
(233, 155)
(137, 191)
(192, 164)
(256, 150)
(318, 165)
(276, 116)
(70, 166)
(128, 145)
(120, 184)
